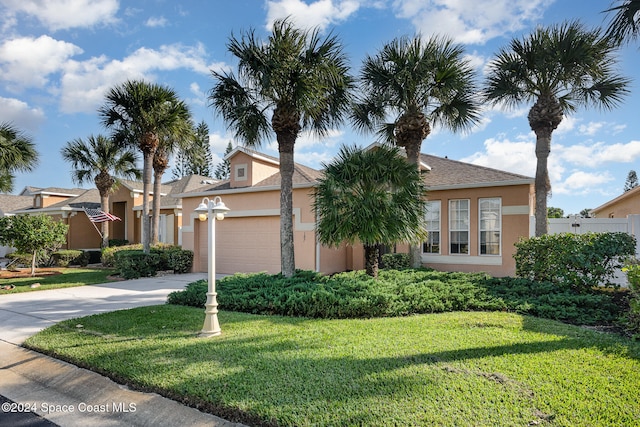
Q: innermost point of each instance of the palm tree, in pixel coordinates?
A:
(625, 24)
(17, 153)
(370, 196)
(558, 68)
(101, 160)
(298, 80)
(140, 113)
(410, 85)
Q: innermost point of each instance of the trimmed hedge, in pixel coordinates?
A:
(582, 261)
(166, 257)
(67, 257)
(400, 293)
(134, 264)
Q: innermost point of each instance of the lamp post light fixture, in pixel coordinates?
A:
(211, 210)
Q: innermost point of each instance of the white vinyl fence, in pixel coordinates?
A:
(630, 224)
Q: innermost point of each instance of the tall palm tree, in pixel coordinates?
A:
(370, 196)
(140, 113)
(295, 81)
(625, 24)
(17, 154)
(408, 86)
(558, 68)
(101, 160)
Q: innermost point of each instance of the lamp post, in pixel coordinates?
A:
(211, 210)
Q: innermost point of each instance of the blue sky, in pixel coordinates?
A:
(58, 57)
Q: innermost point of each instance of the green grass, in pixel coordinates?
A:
(448, 369)
(70, 277)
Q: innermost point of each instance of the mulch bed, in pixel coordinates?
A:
(22, 273)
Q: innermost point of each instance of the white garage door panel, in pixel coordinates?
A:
(245, 245)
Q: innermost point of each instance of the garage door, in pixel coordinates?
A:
(244, 245)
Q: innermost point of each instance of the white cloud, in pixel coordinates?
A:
(65, 14)
(218, 143)
(470, 21)
(155, 22)
(598, 153)
(85, 83)
(20, 114)
(28, 62)
(582, 183)
(591, 128)
(320, 13)
(314, 159)
(512, 156)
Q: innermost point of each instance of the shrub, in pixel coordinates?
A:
(581, 261)
(118, 242)
(134, 264)
(194, 295)
(396, 261)
(633, 316)
(108, 254)
(180, 260)
(396, 293)
(69, 257)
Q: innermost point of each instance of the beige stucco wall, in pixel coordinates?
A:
(256, 170)
(621, 207)
(515, 205)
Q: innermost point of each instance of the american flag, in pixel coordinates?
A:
(96, 215)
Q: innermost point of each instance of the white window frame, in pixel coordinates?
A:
(454, 228)
(496, 228)
(430, 225)
(240, 169)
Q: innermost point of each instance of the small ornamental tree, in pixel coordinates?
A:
(373, 197)
(32, 234)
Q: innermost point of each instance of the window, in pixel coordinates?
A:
(459, 226)
(432, 224)
(490, 226)
(241, 172)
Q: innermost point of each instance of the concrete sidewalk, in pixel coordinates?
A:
(71, 396)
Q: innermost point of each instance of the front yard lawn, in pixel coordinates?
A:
(447, 369)
(52, 278)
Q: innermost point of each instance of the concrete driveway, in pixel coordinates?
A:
(61, 392)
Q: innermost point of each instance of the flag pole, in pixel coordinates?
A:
(92, 223)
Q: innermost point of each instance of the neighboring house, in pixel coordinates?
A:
(125, 202)
(475, 216)
(628, 203)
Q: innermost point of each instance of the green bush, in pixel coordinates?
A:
(582, 261)
(396, 261)
(399, 293)
(194, 295)
(118, 242)
(134, 264)
(633, 316)
(108, 254)
(18, 258)
(69, 257)
(180, 260)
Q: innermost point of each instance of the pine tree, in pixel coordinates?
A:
(195, 158)
(632, 181)
(223, 170)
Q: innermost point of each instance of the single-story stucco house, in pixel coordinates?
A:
(628, 203)
(475, 216)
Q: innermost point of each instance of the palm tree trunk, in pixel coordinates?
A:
(147, 171)
(542, 186)
(155, 223)
(413, 157)
(104, 227)
(287, 255)
(371, 254)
